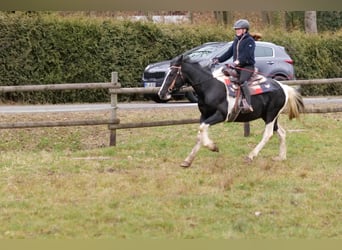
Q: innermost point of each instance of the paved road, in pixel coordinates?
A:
(12, 109)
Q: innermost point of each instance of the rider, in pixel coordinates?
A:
(242, 51)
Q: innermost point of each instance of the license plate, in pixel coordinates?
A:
(149, 84)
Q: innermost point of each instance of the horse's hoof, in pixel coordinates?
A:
(248, 159)
(185, 164)
(214, 148)
(278, 158)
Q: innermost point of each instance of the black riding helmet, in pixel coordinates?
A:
(241, 24)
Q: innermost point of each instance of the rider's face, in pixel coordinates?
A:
(239, 32)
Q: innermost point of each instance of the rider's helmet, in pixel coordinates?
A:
(241, 24)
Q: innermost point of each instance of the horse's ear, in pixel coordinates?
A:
(180, 59)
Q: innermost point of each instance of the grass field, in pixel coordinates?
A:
(65, 183)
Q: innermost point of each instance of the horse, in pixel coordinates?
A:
(216, 105)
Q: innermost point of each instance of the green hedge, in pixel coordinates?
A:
(45, 49)
(315, 56)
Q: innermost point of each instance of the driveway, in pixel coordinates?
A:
(12, 109)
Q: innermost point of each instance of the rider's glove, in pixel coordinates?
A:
(231, 66)
(215, 60)
(236, 63)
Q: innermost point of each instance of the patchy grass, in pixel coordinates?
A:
(65, 183)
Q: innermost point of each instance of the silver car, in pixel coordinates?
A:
(271, 60)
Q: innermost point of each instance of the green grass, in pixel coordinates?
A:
(62, 183)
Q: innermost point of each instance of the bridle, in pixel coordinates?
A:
(179, 73)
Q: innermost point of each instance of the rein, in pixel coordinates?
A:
(247, 70)
(179, 72)
(253, 71)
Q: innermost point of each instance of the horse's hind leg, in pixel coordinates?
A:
(282, 144)
(266, 136)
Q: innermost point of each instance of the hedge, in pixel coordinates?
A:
(45, 49)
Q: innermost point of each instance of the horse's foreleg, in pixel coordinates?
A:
(202, 138)
(266, 136)
(206, 141)
(188, 160)
(282, 144)
(217, 117)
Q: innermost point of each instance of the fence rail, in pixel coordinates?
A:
(115, 89)
(64, 86)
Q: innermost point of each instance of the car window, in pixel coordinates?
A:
(199, 53)
(203, 52)
(261, 51)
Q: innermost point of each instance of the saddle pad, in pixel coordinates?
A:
(268, 86)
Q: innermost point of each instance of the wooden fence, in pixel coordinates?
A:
(115, 89)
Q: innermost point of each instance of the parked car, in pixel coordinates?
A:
(271, 60)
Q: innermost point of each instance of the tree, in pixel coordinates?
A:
(310, 21)
(274, 18)
(223, 17)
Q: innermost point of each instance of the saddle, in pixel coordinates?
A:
(255, 80)
(257, 84)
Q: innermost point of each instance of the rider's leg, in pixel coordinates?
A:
(245, 75)
(247, 106)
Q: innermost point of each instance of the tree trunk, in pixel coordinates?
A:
(191, 16)
(273, 18)
(218, 17)
(310, 22)
(265, 17)
(149, 16)
(226, 16)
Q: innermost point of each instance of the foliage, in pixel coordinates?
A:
(44, 49)
(329, 20)
(326, 20)
(315, 56)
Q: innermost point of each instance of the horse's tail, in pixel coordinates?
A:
(295, 104)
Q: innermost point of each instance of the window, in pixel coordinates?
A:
(261, 51)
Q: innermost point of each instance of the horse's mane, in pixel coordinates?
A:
(197, 65)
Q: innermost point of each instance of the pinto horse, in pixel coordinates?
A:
(215, 105)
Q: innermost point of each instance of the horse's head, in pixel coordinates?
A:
(174, 79)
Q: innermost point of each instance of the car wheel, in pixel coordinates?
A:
(191, 96)
(280, 78)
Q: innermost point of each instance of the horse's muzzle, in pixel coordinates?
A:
(166, 96)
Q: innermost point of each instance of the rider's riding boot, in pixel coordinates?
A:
(247, 107)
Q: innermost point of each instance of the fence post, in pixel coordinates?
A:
(246, 129)
(114, 107)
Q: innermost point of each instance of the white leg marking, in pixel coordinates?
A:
(189, 159)
(205, 137)
(202, 138)
(206, 141)
(266, 136)
(282, 144)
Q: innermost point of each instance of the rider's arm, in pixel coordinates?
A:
(225, 56)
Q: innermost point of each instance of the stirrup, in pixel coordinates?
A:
(246, 108)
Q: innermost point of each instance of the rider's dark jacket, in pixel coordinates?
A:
(242, 49)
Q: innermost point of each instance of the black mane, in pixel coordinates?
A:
(197, 65)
